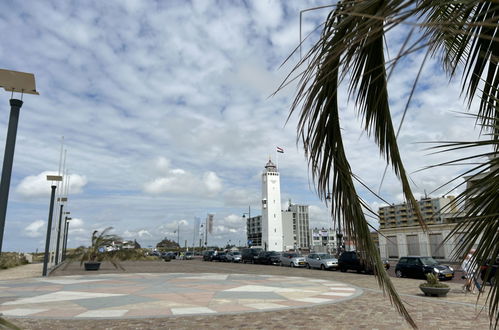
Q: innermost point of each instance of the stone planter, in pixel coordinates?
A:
(92, 265)
(434, 292)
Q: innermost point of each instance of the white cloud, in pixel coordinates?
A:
(38, 186)
(170, 117)
(35, 229)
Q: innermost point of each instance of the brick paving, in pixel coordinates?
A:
(370, 310)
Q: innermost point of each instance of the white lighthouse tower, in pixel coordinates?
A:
(271, 209)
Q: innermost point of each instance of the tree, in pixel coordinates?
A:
(167, 244)
(465, 36)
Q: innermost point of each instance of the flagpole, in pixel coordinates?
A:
(276, 159)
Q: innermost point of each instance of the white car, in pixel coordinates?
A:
(233, 256)
(321, 260)
(292, 259)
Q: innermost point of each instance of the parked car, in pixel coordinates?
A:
(321, 260)
(292, 259)
(219, 256)
(268, 258)
(418, 267)
(350, 260)
(491, 276)
(156, 253)
(234, 256)
(188, 255)
(208, 255)
(249, 255)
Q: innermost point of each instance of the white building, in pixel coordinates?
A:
(295, 224)
(323, 240)
(272, 232)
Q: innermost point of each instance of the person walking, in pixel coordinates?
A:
(470, 268)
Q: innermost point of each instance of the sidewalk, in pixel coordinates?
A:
(24, 271)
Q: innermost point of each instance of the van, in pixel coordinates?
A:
(249, 254)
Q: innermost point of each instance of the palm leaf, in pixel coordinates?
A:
(465, 33)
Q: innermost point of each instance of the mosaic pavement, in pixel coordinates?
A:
(160, 295)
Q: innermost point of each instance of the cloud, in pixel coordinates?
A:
(35, 229)
(38, 186)
(180, 181)
(166, 115)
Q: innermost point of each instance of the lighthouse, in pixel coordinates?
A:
(272, 232)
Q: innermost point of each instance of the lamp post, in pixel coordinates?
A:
(49, 222)
(249, 217)
(62, 200)
(66, 229)
(12, 81)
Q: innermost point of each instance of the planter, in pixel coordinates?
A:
(92, 265)
(434, 292)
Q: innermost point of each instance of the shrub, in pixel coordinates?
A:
(433, 282)
(12, 259)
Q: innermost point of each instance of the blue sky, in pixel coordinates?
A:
(166, 115)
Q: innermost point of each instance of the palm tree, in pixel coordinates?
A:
(464, 35)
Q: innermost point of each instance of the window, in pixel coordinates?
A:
(412, 245)
(392, 247)
(436, 247)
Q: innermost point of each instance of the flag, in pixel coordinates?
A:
(280, 150)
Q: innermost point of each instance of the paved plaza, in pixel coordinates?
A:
(195, 294)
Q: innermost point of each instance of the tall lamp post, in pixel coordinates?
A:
(249, 217)
(61, 200)
(49, 222)
(66, 229)
(12, 81)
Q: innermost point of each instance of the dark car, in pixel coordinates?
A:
(208, 255)
(418, 267)
(350, 260)
(268, 258)
(249, 255)
(491, 276)
(219, 256)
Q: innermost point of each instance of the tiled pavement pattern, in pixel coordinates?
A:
(370, 310)
(163, 295)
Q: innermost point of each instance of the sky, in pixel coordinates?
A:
(168, 114)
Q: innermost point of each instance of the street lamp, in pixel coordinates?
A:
(66, 229)
(12, 81)
(249, 217)
(339, 233)
(62, 200)
(49, 224)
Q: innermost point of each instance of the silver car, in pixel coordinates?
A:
(321, 260)
(233, 256)
(292, 259)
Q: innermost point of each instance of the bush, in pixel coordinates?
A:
(433, 282)
(12, 259)
(132, 254)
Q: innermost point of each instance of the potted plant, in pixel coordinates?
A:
(92, 256)
(433, 287)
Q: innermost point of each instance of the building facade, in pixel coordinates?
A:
(272, 233)
(401, 235)
(402, 215)
(254, 231)
(295, 223)
(323, 240)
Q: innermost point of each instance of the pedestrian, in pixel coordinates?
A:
(470, 268)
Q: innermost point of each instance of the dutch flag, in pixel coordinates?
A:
(280, 150)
